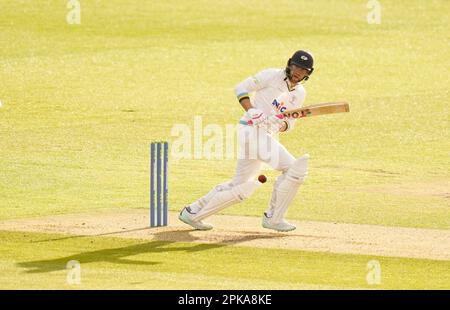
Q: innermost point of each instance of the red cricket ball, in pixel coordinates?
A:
(262, 178)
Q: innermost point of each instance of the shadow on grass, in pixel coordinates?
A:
(163, 242)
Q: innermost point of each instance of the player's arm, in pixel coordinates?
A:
(245, 103)
(242, 91)
(251, 84)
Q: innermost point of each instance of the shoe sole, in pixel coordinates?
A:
(193, 225)
(276, 229)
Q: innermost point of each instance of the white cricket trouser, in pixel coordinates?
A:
(255, 147)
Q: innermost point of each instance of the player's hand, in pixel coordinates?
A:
(256, 116)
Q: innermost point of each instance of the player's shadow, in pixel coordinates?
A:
(163, 242)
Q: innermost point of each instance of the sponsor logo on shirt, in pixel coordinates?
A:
(279, 106)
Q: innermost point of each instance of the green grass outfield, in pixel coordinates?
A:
(132, 264)
(80, 104)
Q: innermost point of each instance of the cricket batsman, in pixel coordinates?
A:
(274, 91)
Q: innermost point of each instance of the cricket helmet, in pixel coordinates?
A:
(303, 60)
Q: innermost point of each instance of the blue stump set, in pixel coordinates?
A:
(159, 157)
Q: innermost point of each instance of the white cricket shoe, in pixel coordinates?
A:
(283, 225)
(186, 218)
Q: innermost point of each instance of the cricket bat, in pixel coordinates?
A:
(314, 110)
(318, 109)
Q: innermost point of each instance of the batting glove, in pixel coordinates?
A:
(273, 123)
(256, 116)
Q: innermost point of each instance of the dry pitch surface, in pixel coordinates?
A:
(246, 231)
